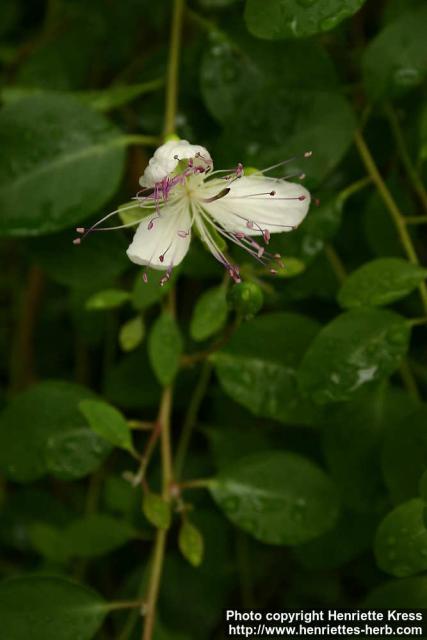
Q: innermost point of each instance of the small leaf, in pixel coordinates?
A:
(48, 541)
(156, 510)
(117, 95)
(357, 347)
(190, 542)
(108, 299)
(210, 314)
(145, 294)
(49, 608)
(96, 535)
(165, 348)
(107, 422)
(380, 282)
(279, 498)
(297, 18)
(401, 540)
(131, 333)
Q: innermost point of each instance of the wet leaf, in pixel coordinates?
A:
(48, 608)
(356, 348)
(41, 422)
(297, 18)
(61, 156)
(396, 60)
(401, 540)
(278, 497)
(380, 282)
(258, 367)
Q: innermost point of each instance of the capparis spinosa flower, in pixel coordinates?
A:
(182, 194)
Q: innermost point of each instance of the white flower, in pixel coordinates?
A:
(180, 192)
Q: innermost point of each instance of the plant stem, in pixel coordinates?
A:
(336, 263)
(22, 353)
(392, 208)
(413, 176)
(353, 188)
(200, 483)
(191, 417)
(173, 64)
(164, 420)
(137, 138)
(409, 380)
(125, 604)
(415, 219)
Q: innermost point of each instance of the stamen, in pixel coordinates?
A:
(306, 154)
(145, 277)
(218, 196)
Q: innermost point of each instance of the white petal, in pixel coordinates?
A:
(166, 158)
(242, 206)
(169, 236)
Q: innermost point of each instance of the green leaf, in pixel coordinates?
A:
(404, 454)
(107, 299)
(407, 593)
(279, 498)
(156, 510)
(75, 453)
(33, 418)
(131, 384)
(96, 263)
(145, 294)
(258, 367)
(264, 132)
(190, 542)
(49, 608)
(356, 348)
(48, 541)
(117, 95)
(61, 156)
(380, 282)
(246, 298)
(235, 68)
(210, 314)
(401, 540)
(297, 18)
(351, 536)
(165, 348)
(96, 535)
(108, 423)
(352, 437)
(396, 60)
(131, 333)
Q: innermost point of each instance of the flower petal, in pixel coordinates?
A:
(249, 207)
(162, 239)
(166, 158)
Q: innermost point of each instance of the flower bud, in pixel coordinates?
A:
(246, 298)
